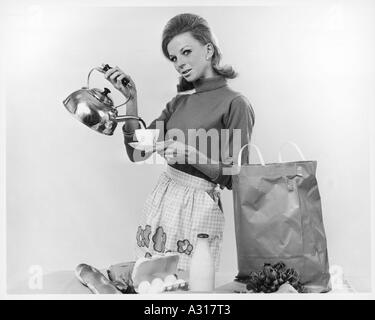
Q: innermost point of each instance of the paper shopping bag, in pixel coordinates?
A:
(278, 217)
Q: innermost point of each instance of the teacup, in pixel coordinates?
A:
(147, 136)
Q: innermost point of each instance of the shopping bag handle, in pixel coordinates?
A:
(256, 149)
(295, 146)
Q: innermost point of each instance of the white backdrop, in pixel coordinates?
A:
(73, 196)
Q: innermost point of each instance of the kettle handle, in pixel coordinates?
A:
(102, 70)
(124, 81)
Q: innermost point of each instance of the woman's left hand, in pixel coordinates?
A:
(178, 152)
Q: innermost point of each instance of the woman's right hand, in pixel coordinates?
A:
(115, 76)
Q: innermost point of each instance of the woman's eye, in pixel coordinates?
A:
(185, 53)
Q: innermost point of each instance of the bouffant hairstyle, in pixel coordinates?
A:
(199, 29)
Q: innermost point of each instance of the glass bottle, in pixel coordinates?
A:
(202, 266)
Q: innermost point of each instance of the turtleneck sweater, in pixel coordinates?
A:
(211, 110)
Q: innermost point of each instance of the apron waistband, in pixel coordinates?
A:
(189, 180)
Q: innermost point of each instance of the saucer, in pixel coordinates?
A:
(141, 146)
(157, 146)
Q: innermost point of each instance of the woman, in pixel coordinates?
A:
(186, 199)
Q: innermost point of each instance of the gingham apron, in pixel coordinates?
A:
(179, 208)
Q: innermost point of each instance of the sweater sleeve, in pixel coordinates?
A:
(129, 136)
(239, 122)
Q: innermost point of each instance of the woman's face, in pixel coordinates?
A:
(189, 57)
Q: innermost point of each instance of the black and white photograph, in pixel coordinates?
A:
(159, 150)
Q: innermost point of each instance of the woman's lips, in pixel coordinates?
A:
(186, 73)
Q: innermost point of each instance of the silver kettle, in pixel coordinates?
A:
(95, 109)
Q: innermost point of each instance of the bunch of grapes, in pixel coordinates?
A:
(271, 277)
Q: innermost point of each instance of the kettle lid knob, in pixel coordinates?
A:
(106, 91)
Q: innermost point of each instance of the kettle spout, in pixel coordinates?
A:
(121, 118)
